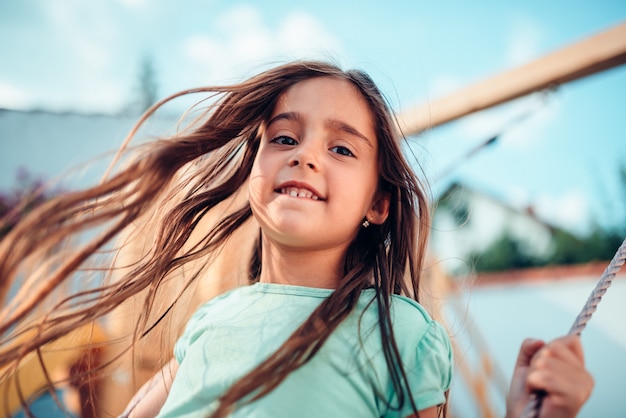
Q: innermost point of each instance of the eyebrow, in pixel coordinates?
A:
(293, 116)
(333, 124)
(342, 126)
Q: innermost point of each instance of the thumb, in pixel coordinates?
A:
(527, 351)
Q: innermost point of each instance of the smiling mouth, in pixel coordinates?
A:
(298, 192)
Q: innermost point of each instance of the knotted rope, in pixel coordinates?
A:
(534, 405)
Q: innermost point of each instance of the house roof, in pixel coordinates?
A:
(542, 274)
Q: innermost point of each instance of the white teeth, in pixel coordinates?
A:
(295, 192)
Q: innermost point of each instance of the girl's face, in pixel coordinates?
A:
(315, 176)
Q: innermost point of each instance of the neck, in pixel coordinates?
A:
(297, 267)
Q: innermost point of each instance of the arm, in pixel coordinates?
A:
(149, 400)
(556, 368)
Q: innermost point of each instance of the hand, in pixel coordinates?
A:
(558, 370)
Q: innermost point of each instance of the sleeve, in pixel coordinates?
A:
(194, 328)
(428, 366)
(197, 325)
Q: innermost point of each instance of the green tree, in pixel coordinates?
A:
(146, 90)
(599, 244)
(148, 84)
(503, 254)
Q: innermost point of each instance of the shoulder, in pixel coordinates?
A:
(201, 319)
(426, 351)
(410, 318)
(412, 325)
(408, 310)
(214, 303)
(419, 337)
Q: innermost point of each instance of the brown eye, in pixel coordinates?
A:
(284, 140)
(342, 151)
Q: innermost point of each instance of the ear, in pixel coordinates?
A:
(379, 211)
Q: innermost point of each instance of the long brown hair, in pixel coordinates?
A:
(223, 143)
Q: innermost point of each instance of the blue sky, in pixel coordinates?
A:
(84, 56)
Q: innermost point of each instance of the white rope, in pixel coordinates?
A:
(534, 405)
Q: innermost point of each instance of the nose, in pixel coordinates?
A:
(305, 155)
(296, 161)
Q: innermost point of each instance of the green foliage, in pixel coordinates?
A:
(599, 244)
(148, 84)
(146, 89)
(504, 254)
(507, 253)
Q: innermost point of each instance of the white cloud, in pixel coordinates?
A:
(134, 4)
(524, 41)
(87, 31)
(517, 196)
(570, 209)
(301, 32)
(84, 55)
(482, 124)
(91, 56)
(242, 36)
(527, 134)
(445, 84)
(521, 122)
(244, 32)
(13, 97)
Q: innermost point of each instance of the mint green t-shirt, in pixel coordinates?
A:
(231, 334)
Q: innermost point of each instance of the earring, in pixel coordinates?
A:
(366, 223)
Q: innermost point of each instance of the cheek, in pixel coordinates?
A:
(256, 200)
(261, 165)
(264, 172)
(254, 184)
(259, 185)
(367, 181)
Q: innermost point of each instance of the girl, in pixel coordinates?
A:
(332, 325)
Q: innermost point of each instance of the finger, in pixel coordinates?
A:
(565, 349)
(555, 375)
(549, 384)
(527, 351)
(563, 382)
(573, 343)
(562, 390)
